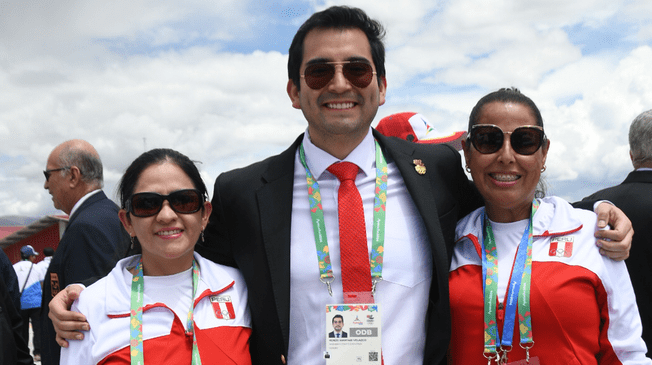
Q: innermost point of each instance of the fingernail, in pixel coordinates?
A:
(79, 337)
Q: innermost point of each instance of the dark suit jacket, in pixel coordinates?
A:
(250, 228)
(13, 347)
(634, 197)
(332, 334)
(8, 275)
(93, 242)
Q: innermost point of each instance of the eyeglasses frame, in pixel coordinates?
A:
(373, 73)
(129, 206)
(48, 173)
(542, 140)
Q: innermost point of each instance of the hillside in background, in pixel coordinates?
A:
(15, 220)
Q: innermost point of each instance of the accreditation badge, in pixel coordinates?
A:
(353, 334)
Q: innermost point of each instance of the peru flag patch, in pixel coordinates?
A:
(222, 306)
(561, 246)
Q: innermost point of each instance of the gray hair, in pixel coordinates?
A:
(89, 164)
(640, 139)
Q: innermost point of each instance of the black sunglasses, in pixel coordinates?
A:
(317, 75)
(185, 201)
(489, 138)
(47, 173)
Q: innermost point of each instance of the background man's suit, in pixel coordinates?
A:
(250, 229)
(91, 245)
(342, 334)
(634, 197)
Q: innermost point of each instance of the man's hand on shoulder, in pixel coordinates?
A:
(614, 243)
(67, 323)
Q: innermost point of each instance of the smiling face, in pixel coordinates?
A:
(339, 114)
(506, 180)
(167, 238)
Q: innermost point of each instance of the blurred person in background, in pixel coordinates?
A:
(42, 266)
(29, 281)
(13, 346)
(634, 197)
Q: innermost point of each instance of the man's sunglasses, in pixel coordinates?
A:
(185, 201)
(488, 138)
(47, 173)
(317, 75)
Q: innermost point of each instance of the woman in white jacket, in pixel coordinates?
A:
(168, 305)
(527, 284)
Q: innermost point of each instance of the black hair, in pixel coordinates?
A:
(339, 17)
(510, 95)
(158, 156)
(505, 95)
(337, 316)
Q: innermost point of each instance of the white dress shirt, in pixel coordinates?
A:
(407, 269)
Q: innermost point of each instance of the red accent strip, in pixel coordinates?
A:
(547, 233)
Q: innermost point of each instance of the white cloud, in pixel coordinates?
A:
(130, 75)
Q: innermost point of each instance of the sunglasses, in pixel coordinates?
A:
(488, 138)
(358, 73)
(185, 201)
(47, 173)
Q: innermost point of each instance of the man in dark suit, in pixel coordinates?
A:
(338, 323)
(261, 217)
(94, 238)
(634, 197)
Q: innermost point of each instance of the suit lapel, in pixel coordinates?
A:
(420, 189)
(275, 208)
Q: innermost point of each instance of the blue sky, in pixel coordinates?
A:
(208, 78)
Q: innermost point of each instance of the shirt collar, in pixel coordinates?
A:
(81, 201)
(364, 155)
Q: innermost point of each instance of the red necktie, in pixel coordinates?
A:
(356, 273)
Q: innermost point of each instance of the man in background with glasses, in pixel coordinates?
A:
(94, 238)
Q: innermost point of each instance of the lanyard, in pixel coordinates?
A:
(136, 323)
(518, 292)
(319, 229)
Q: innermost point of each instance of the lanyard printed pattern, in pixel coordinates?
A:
(136, 315)
(319, 229)
(518, 292)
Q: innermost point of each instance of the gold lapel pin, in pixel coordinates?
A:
(419, 167)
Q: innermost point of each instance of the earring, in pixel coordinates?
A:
(467, 168)
(543, 168)
(132, 241)
(202, 235)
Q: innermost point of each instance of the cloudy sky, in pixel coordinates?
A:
(208, 78)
